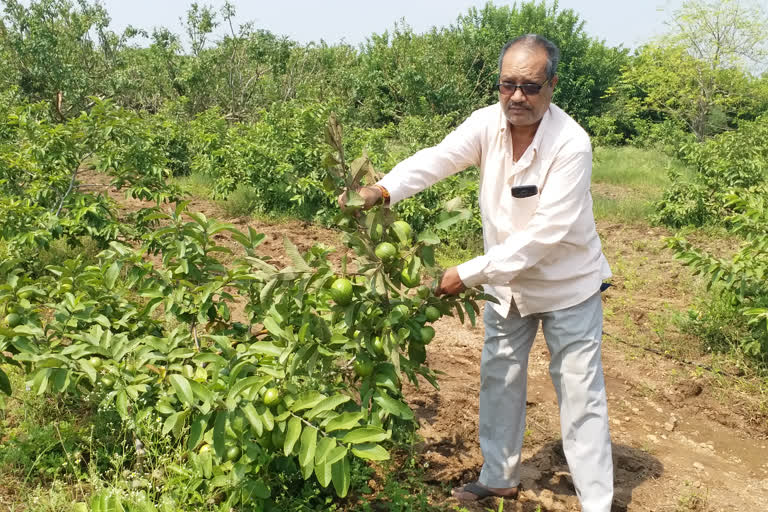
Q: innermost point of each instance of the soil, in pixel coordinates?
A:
(685, 438)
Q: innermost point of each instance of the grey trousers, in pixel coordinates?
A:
(573, 337)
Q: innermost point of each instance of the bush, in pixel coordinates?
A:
(740, 282)
(720, 324)
(729, 163)
(236, 382)
(279, 157)
(242, 202)
(41, 162)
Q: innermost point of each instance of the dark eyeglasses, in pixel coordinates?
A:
(509, 88)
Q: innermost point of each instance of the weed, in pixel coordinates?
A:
(453, 254)
(45, 439)
(647, 446)
(59, 251)
(402, 490)
(56, 497)
(641, 169)
(242, 202)
(197, 184)
(692, 502)
(718, 323)
(627, 182)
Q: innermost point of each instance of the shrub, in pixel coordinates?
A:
(741, 281)
(729, 163)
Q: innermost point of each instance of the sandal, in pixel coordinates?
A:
(483, 492)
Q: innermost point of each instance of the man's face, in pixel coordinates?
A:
(523, 65)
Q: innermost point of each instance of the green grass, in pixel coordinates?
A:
(627, 180)
(198, 185)
(639, 169)
(627, 210)
(60, 251)
(451, 254)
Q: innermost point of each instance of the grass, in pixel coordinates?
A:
(640, 169)
(198, 185)
(452, 254)
(692, 501)
(627, 180)
(401, 486)
(628, 210)
(60, 251)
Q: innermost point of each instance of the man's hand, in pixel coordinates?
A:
(371, 196)
(450, 283)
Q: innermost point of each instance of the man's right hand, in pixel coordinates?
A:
(371, 196)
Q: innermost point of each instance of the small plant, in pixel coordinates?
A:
(691, 502)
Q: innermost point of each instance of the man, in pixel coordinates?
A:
(543, 261)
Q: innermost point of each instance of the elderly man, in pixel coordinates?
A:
(543, 262)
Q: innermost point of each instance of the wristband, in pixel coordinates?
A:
(384, 195)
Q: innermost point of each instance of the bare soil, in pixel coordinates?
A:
(684, 438)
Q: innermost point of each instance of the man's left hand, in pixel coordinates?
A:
(450, 283)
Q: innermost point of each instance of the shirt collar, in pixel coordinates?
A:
(546, 120)
(533, 149)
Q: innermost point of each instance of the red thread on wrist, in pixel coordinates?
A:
(384, 195)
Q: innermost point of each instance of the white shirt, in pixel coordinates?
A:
(542, 252)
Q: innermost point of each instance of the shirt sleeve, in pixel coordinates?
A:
(460, 149)
(563, 202)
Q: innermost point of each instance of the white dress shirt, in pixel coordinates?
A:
(542, 253)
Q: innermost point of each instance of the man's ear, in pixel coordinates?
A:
(554, 81)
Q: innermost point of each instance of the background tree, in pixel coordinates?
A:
(60, 46)
(453, 69)
(700, 75)
(723, 33)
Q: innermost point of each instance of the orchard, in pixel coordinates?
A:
(154, 358)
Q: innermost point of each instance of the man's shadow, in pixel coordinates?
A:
(547, 470)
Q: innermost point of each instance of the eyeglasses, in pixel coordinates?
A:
(509, 88)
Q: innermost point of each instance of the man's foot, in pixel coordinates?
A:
(476, 491)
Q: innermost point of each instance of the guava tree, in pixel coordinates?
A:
(255, 370)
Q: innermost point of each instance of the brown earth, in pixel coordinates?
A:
(685, 438)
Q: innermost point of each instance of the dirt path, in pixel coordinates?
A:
(669, 454)
(684, 439)
(681, 441)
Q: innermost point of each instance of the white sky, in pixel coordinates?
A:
(626, 22)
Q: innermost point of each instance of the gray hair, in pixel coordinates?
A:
(536, 41)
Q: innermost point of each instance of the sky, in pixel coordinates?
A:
(619, 22)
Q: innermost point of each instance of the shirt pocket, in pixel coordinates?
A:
(522, 210)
